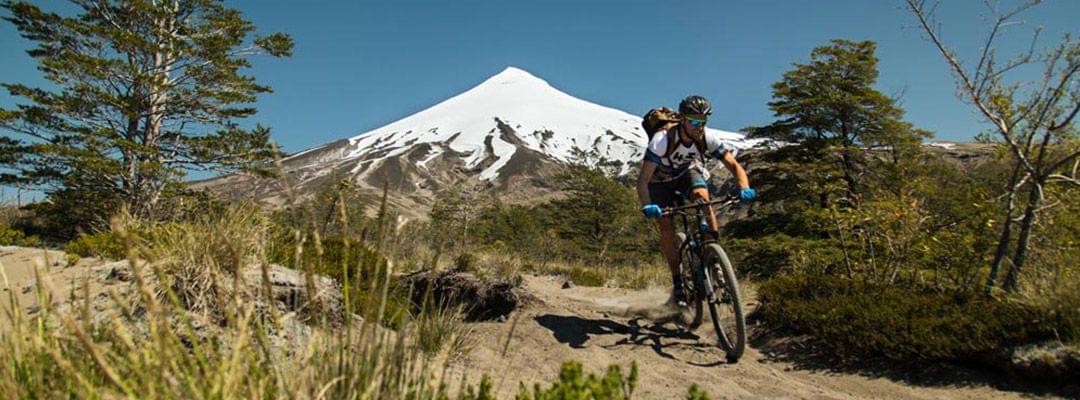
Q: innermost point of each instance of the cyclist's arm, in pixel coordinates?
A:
(736, 169)
(647, 169)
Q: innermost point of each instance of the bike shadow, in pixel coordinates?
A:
(577, 332)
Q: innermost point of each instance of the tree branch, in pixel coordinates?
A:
(917, 7)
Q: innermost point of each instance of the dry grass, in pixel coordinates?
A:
(1057, 294)
(503, 265)
(187, 331)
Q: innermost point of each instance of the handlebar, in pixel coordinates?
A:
(722, 202)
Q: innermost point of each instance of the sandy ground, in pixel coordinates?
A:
(592, 326)
(61, 282)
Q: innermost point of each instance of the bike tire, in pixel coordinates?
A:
(725, 306)
(694, 297)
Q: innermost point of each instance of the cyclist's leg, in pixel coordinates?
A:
(663, 195)
(667, 246)
(699, 189)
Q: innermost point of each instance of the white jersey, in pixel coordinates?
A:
(672, 166)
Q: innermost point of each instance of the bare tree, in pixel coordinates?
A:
(1034, 120)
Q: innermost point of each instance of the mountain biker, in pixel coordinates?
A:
(674, 162)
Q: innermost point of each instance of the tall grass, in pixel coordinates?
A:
(189, 327)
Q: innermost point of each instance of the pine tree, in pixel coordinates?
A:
(830, 109)
(143, 91)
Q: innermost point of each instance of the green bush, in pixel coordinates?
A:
(104, 244)
(13, 237)
(574, 384)
(848, 319)
(465, 262)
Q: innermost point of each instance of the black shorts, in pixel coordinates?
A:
(670, 193)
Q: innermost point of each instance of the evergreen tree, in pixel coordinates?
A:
(829, 108)
(598, 214)
(142, 92)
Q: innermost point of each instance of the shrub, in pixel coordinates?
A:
(465, 262)
(13, 237)
(574, 384)
(104, 245)
(848, 319)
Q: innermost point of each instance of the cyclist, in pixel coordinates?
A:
(674, 162)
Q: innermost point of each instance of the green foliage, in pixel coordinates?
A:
(599, 214)
(596, 222)
(69, 212)
(574, 384)
(13, 237)
(872, 245)
(452, 218)
(465, 262)
(481, 393)
(696, 393)
(851, 318)
(828, 107)
(105, 245)
(139, 93)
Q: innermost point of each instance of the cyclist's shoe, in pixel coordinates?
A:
(679, 308)
(677, 299)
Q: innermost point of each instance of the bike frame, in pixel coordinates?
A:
(696, 237)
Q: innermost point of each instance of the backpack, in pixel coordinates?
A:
(660, 117)
(656, 119)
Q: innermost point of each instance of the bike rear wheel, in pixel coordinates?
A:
(725, 303)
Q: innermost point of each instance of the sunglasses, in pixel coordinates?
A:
(695, 121)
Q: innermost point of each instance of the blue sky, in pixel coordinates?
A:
(359, 65)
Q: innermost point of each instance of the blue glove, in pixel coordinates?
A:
(652, 211)
(747, 194)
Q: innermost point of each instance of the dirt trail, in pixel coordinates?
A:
(590, 325)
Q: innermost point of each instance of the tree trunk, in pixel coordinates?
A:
(1006, 231)
(847, 163)
(1022, 242)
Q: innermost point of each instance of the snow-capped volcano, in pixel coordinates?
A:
(541, 118)
(512, 129)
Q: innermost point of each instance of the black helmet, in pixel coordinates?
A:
(695, 105)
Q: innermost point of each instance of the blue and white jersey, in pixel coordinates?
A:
(682, 157)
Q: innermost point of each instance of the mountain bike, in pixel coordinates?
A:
(708, 277)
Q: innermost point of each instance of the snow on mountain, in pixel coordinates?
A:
(510, 134)
(492, 120)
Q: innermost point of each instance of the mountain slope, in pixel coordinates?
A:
(512, 130)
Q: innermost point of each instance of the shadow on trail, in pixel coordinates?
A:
(795, 350)
(576, 332)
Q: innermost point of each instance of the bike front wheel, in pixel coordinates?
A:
(691, 290)
(725, 302)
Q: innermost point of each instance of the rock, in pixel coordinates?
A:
(118, 271)
(289, 291)
(482, 300)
